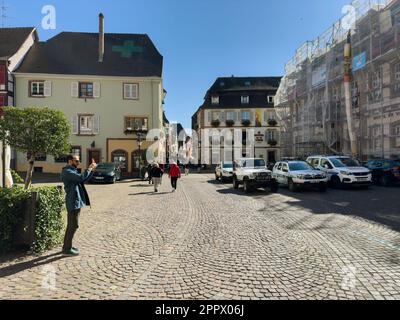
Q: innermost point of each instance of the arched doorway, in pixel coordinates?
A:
(121, 157)
(138, 162)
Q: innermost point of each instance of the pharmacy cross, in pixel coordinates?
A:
(127, 49)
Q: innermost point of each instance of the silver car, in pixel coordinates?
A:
(297, 174)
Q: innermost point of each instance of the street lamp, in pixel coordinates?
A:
(139, 138)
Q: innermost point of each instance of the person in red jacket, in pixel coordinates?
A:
(174, 174)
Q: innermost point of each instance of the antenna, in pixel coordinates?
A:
(3, 13)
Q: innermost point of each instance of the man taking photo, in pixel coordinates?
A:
(76, 198)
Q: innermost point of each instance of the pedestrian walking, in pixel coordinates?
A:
(76, 198)
(187, 169)
(174, 174)
(149, 170)
(157, 174)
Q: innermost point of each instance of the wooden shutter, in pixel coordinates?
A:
(96, 90)
(75, 124)
(75, 89)
(47, 88)
(3, 74)
(96, 124)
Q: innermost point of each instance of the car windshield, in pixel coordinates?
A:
(106, 166)
(299, 166)
(256, 163)
(228, 165)
(344, 162)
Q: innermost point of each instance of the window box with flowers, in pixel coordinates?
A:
(273, 143)
(272, 122)
(215, 123)
(246, 123)
(230, 123)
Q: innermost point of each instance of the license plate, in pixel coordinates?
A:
(99, 178)
(362, 179)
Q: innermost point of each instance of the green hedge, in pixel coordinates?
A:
(49, 216)
(11, 214)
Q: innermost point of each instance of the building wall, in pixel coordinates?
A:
(111, 109)
(262, 148)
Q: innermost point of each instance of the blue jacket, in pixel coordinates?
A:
(76, 194)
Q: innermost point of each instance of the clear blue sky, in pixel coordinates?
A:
(199, 39)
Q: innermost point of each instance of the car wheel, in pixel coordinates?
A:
(336, 183)
(216, 177)
(385, 181)
(246, 186)
(235, 183)
(274, 187)
(292, 186)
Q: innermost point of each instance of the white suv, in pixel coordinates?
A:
(253, 174)
(342, 170)
(295, 174)
(224, 171)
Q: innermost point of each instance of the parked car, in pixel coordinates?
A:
(342, 170)
(224, 171)
(253, 174)
(384, 172)
(296, 174)
(107, 173)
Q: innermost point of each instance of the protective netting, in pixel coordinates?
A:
(311, 100)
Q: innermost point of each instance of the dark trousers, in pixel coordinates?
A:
(174, 182)
(72, 227)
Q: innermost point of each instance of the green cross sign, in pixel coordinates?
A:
(127, 49)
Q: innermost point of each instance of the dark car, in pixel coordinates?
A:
(384, 172)
(107, 173)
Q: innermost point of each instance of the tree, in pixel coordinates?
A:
(35, 131)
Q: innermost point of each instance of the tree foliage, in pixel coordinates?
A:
(35, 131)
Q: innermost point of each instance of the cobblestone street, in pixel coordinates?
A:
(208, 241)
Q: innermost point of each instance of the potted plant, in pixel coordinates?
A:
(230, 123)
(129, 130)
(273, 143)
(272, 122)
(215, 123)
(246, 123)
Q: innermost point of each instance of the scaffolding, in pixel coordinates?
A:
(311, 100)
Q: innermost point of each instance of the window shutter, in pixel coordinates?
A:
(75, 124)
(74, 89)
(266, 116)
(2, 77)
(96, 124)
(96, 90)
(209, 117)
(47, 88)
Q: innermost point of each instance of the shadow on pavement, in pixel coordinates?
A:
(37, 262)
(377, 204)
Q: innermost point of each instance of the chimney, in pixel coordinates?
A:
(101, 37)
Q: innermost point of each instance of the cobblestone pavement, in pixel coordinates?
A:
(207, 241)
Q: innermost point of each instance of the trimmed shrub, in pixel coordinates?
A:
(49, 219)
(12, 210)
(49, 216)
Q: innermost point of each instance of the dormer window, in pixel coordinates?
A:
(222, 84)
(245, 99)
(247, 83)
(271, 99)
(215, 100)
